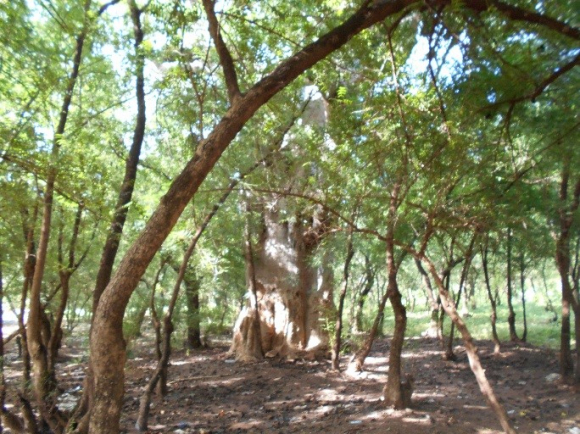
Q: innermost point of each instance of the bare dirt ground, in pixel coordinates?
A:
(211, 393)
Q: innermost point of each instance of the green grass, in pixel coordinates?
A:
(541, 331)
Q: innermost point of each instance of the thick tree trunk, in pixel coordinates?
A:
(289, 298)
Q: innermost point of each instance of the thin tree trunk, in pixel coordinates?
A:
(44, 390)
(471, 349)
(154, 316)
(434, 330)
(393, 391)
(29, 265)
(66, 270)
(193, 314)
(362, 295)
(362, 353)
(493, 318)
(342, 295)
(523, 290)
(2, 379)
(449, 355)
(511, 315)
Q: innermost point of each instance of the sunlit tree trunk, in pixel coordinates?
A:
(290, 300)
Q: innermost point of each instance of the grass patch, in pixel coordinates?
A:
(542, 331)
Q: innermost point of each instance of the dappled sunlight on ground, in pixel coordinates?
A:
(211, 393)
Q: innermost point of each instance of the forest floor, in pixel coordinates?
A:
(211, 393)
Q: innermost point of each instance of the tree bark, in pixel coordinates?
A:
(369, 282)
(393, 391)
(44, 390)
(471, 349)
(434, 330)
(511, 315)
(339, 311)
(193, 314)
(523, 291)
(493, 317)
(567, 210)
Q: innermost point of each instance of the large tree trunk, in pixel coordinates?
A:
(290, 302)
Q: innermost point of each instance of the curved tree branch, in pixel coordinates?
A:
(225, 57)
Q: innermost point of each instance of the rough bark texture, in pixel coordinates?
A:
(290, 299)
